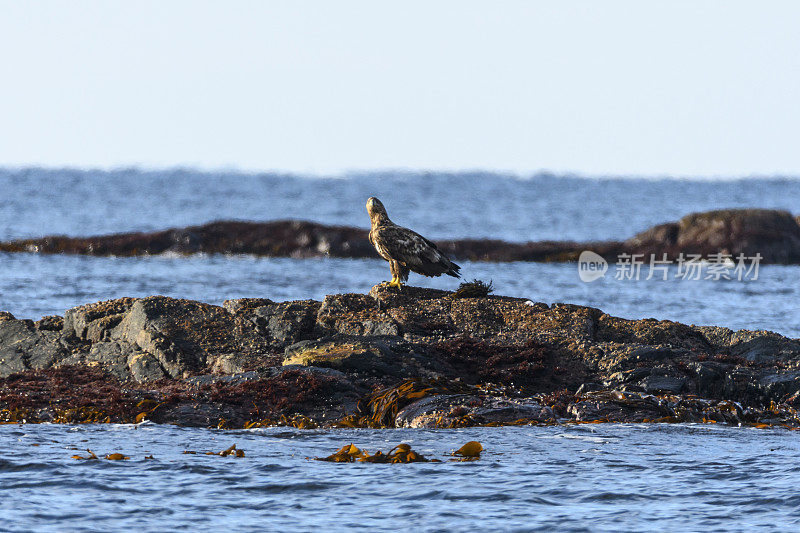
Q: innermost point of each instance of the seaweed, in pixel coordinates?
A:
(400, 454)
(231, 451)
(480, 361)
(470, 451)
(380, 409)
(473, 289)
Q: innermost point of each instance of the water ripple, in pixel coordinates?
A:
(651, 477)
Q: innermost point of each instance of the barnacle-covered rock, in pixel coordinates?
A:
(415, 357)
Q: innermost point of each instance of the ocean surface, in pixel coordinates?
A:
(581, 478)
(603, 477)
(36, 202)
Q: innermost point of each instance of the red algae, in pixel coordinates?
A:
(487, 362)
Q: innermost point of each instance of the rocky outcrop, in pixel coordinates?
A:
(416, 358)
(773, 234)
(280, 238)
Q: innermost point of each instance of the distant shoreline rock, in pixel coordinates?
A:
(415, 358)
(773, 234)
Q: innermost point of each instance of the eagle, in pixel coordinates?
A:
(405, 250)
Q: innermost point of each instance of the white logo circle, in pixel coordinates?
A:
(591, 266)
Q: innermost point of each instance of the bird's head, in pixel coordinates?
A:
(377, 213)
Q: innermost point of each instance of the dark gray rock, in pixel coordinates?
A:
(589, 387)
(50, 323)
(716, 336)
(194, 414)
(95, 321)
(773, 234)
(228, 363)
(145, 367)
(445, 409)
(23, 347)
(613, 406)
(113, 357)
(312, 370)
(348, 354)
(763, 346)
(621, 357)
(426, 411)
(663, 382)
(179, 333)
(508, 410)
(287, 322)
(780, 385)
(356, 314)
(381, 327)
(245, 305)
(709, 378)
(14, 338)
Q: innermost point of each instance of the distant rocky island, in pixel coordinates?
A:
(410, 358)
(775, 235)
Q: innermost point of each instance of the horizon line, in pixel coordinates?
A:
(356, 172)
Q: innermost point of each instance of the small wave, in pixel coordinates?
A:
(277, 488)
(11, 466)
(618, 496)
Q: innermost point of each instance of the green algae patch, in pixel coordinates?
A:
(328, 354)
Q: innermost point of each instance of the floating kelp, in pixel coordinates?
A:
(402, 453)
(346, 454)
(91, 456)
(110, 456)
(232, 451)
(471, 451)
(117, 457)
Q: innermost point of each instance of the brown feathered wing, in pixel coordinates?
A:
(413, 251)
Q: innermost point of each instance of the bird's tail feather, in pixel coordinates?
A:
(454, 270)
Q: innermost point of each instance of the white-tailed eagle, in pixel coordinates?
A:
(405, 250)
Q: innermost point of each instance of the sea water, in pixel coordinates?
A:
(606, 477)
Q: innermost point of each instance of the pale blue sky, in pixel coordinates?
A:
(612, 87)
